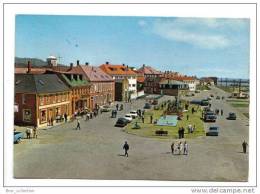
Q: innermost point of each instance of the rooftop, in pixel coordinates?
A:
(117, 69)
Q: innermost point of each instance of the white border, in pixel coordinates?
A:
(180, 10)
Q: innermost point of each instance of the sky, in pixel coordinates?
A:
(192, 46)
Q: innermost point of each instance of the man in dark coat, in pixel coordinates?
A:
(126, 148)
(244, 145)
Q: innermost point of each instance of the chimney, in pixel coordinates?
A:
(71, 66)
(86, 63)
(77, 62)
(107, 63)
(143, 65)
(29, 67)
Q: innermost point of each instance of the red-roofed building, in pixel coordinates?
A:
(125, 80)
(151, 79)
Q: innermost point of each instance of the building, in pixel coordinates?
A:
(40, 99)
(191, 81)
(173, 88)
(205, 81)
(80, 88)
(102, 90)
(151, 79)
(125, 80)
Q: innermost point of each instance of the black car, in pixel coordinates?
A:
(121, 122)
(147, 106)
(232, 116)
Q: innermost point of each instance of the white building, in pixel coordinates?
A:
(120, 73)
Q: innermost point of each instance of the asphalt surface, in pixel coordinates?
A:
(95, 151)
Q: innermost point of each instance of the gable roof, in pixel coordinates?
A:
(117, 69)
(35, 83)
(148, 70)
(34, 70)
(95, 74)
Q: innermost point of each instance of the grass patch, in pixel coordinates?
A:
(238, 101)
(240, 105)
(148, 129)
(204, 87)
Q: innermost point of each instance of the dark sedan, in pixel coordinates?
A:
(121, 122)
(232, 116)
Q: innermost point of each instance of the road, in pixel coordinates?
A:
(95, 152)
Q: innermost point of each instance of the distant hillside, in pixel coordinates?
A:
(22, 62)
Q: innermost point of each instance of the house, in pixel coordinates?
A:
(189, 80)
(40, 99)
(151, 79)
(173, 88)
(125, 80)
(80, 88)
(205, 81)
(102, 90)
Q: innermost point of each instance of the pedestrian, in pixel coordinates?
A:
(179, 148)
(244, 145)
(35, 135)
(172, 147)
(143, 119)
(126, 148)
(185, 151)
(28, 133)
(65, 117)
(31, 133)
(151, 119)
(221, 112)
(78, 124)
(179, 132)
(187, 117)
(182, 132)
(117, 106)
(51, 121)
(192, 110)
(194, 128)
(209, 105)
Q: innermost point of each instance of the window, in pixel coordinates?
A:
(27, 115)
(133, 85)
(41, 100)
(43, 116)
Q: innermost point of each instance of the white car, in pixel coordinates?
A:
(133, 113)
(128, 117)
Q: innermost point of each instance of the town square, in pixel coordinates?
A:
(128, 117)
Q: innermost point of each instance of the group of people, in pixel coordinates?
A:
(121, 107)
(31, 133)
(179, 148)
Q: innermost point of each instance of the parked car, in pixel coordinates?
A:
(128, 117)
(105, 108)
(197, 91)
(210, 117)
(218, 97)
(18, 137)
(147, 106)
(232, 116)
(213, 131)
(121, 122)
(204, 102)
(133, 113)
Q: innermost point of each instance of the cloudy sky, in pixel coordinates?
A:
(193, 46)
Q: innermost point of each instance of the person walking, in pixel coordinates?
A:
(31, 133)
(221, 112)
(65, 117)
(185, 151)
(35, 135)
(244, 145)
(172, 147)
(126, 148)
(187, 117)
(143, 119)
(179, 132)
(151, 119)
(28, 133)
(182, 132)
(117, 106)
(78, 124)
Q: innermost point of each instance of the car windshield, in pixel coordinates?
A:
(127, 115)
(133, 112)
(213, 128)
